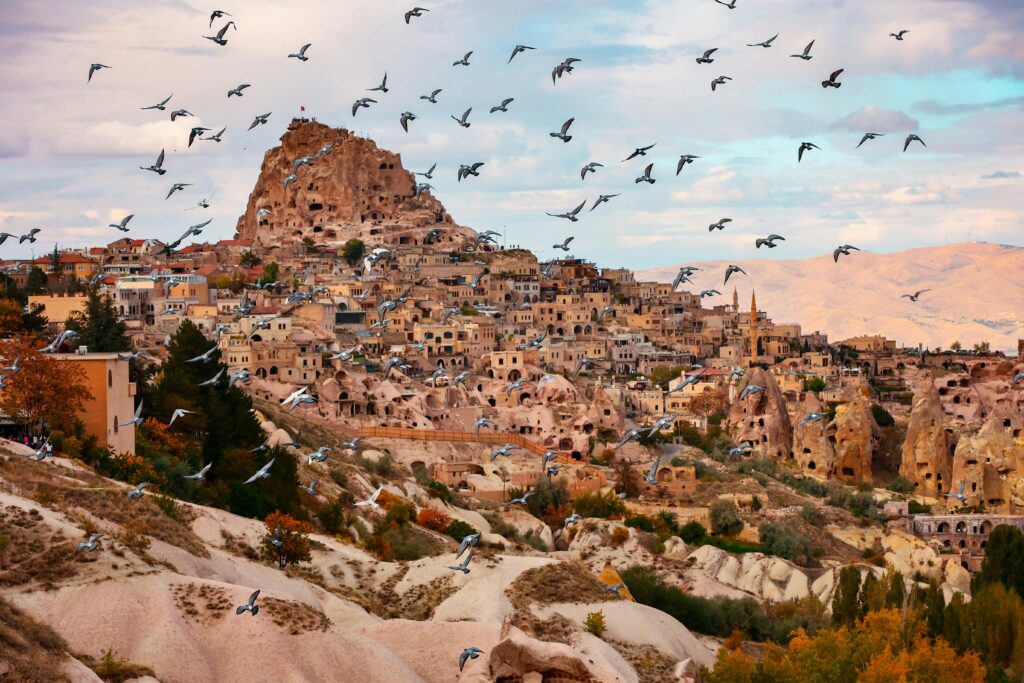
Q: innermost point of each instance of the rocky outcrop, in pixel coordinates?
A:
(990, 463)
(928, 446)
(762, 418)
(811, 446)
(855, 436)
(354, 190)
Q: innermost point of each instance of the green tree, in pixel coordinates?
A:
(1004, 559)
(352, 251)
(99, 328)
(36, 281)
(785, 542)
(249, 259)
(845, 599)
(814, 384)
(270, 272)
(725, 519)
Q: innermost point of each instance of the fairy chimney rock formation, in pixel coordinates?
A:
(928, 446)
(811, 446)
(990, 463)
(762, 418)
(351, 189)
(855, 437)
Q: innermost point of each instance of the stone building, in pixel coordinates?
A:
(112, 402)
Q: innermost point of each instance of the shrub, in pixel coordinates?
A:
(784, 542)
(401, 513)
(814, 384)
(294, 537)
(693, 532)
(535, 541)
(882, 416)
(458, 530)
(169, 507)
(812, 515)
(725, 519)
(900, 485)
(641, 522)
(595, 624)
(915, 508)
(433, 519)
(620, 535)
(407, 544)
(333, 517)
(597, 504)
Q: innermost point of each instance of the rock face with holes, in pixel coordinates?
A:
(929, 444)
(354, 190)
(811, 446)
(855, 436)
(990, 463)
(762, 418)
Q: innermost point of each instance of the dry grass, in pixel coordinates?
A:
(114, 670)
(651, 664)
(32, 553)
(561, 582)
(296, 617)
(29, 651)
(201, 602)
(70, 490)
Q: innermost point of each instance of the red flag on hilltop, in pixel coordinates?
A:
(302, 107)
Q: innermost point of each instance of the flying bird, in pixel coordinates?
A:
(123, 225)
(869, 136)
(684, 159)
(522, 500)
(484, 422)
(204, 357)
(709, 292)
(467, 541)
(843, 249)
(470, 652)
(462, 121)
(631, 435)
(158, 166)
(915, 295)
(260, 120)
(639, 152)
(815, 416)
(517, 49)
(179, 412)
(959, 495)
(464, 61)
(719, 81)
(432, 97)
(589, 168)
(706, 58)
(159, 105)
(570, 215)
(464, 565)
(750, 390)
(250, 606)
(733, 269)
(415, 12)
(135, 419)
(806, 54)
(720, 225)
(371, 502)
(138, 491)
(646, 177)
(405, 118)
(731, 4)
(565, 67)
(311, 488)
(217, 14)
(804, 147)
(219, 37)
(899, 35)
(179, 113)
(768, 241)
(261, 473)
(562, 134)
(197, 131)
(213, 380)
(201, 474)
(91, 545)
(429, 174)
(215, 138)
(503, 106)
(766, 43)
(237, 90)
(832, 82)
(602, 199)
(93, 68)
(912, 138)
(652, 475)
(383, 87)
(301, 54)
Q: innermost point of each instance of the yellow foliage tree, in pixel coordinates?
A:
(44, 390)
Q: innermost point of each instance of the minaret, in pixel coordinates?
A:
(735, 301)
(754, 333)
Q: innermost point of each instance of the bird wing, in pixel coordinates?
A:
(565, 126)
(835, 74)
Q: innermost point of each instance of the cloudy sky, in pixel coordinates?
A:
(70, 152)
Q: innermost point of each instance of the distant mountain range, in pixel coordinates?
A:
(977, 293)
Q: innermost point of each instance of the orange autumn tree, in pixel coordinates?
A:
(885, 646)
(44, 390)
(294, 537)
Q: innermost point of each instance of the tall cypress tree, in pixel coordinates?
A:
(99, 328)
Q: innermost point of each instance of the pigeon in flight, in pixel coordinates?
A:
(706, 58)
(602, 199)
(405, 118)
(565, 67)
(589, 168)
(631, 435)
(197, 131)
(517, 49)
(237, 90)
(914, 297)
(719, 81)
(646, 177)
(484, 422)
(204, 357)
(215, 138)
(749, 390)
(505, 452)
(319, 455)
(521, 501)
(123, 225)
(135, 419)
(288, 180)
(350, 445)
(92, 544)
(415, 12)
(159, 105)
(432, 97)
(217, 14)
(731, 4)
(832, 82)
(138, 491)
(467, 541)
(899, 35)
(158, 166)
(219, 37)
(260, 120)
(503, 106)
(383, 87)
(652, 475)
(518, 385)
(570, 520)
(462, 121)
(179, 113)
(570, 215)
(766, 43)
(470, 170)
(429, 174)
(639, 152)
(93, 68)
(806, 54)
(843, 249)
(815, 416)
(720, 225)
(548, 457)
(311, 488)
(869, 136)
(251, 607)
(362, 102)
(261, 473)
(470, 652)
(740, 450)
(464, 61)
(1019, 377)
(709, 292)
(684, 159)
(733, 269)
(213, 380)
(959, 495)
(562, 134)
(301, 54)
(912, 138)
(371, 502)
(30, 236)
(179, 412)
(804, 147)
(605, 311)
(201, 474)
(768, 241)
(464, 565)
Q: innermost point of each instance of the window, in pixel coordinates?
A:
(110, 378)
